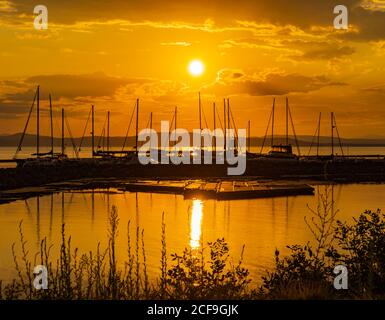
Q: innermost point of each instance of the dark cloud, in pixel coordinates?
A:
(304, 14)
(296, 12)
(327, 53)
(76, 90)
(12, 108)
(270, 84)
(72, 86)
(371, 25)
(380, 89)
(69, 86)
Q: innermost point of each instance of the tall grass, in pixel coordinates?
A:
(209, 272)
(96, 275)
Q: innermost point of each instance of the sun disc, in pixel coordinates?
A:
(196, 68)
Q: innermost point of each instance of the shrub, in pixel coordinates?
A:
(192, 277)
(95, 275)
(361, 247)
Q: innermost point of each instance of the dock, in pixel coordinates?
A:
(220, 189)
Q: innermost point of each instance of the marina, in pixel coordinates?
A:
(194, 175)
(188, 153)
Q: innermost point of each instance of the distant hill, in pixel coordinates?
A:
(30, 141)
(324, 141)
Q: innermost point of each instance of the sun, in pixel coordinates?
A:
(196, 68)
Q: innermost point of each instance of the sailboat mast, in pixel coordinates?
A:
(176, 112)
(287, 121)
(272, 124)
(150, 127)
(249, 136)
(137, 126)
(38, 123)
(108, 131)
(93, 131)
(62, 131)
(50, 113)
(200, 112)
(228, 113)
(318, 132)
(224, 123)
(214, 140)
(293, 129)
(338, 134)
(332, 128)
(228, 116)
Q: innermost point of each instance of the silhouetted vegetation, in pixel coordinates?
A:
(307, 273)
(209, 272)
(202, 273)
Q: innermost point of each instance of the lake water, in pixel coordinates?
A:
(262, 225)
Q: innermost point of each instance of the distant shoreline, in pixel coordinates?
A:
(255, 141)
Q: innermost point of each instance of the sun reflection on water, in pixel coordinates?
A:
(196, 224)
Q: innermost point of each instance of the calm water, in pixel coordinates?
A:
(261, 225)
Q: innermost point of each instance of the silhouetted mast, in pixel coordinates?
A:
(200, 113)
(228, 116)
(214, 138)
(287, 122)
(272, 124)
(108, 131)
(137, 126)
(249, 136)
(338, 135)
(293, 128)
(38, 122)
(332, 128)
(228, 113)
(150, 127)
(26, 126)
(176, 112)
(50, 113)
(93, 131)
(319, 132)
(62, 131)
(224, 123)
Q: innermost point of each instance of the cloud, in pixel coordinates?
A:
(326, 53)
(177, 43)
(379, 89)
(230, 82)
(74, 92)
(6, 6)
(366, 18)
(70, 85)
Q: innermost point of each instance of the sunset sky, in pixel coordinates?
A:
(108, 53)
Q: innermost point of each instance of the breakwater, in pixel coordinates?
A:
(349, 170)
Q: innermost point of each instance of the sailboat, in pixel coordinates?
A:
(282, 151)
(41, 158)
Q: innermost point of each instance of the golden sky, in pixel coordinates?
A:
(108, 53)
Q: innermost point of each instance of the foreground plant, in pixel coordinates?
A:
(307, 272)
(208, 272)
(95, 275)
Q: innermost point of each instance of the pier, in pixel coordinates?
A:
(221, 189)
(216, 189)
